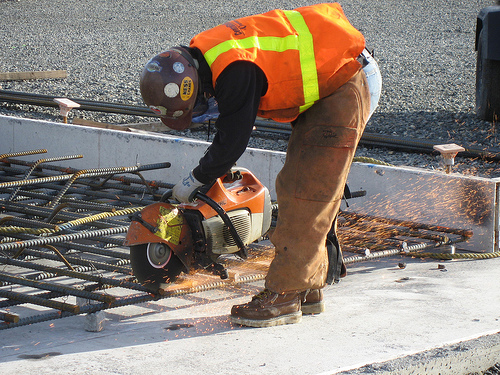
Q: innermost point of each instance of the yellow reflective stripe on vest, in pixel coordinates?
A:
(303, 42)
(265, 43)
(307, 59)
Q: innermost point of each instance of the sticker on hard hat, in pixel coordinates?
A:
(187, 88)
(169, 225)
(153, 66)
(159, 110)
(177, 113)
(171, 90)
(178, 67)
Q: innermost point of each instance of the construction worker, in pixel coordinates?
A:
(308, 66)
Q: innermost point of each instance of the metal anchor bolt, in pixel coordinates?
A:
(448, 152)
(65, 105)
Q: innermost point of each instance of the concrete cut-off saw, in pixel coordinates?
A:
(167, 238)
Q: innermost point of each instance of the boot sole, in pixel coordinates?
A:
(313, 308)
(279, 320)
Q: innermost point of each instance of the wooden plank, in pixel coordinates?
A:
(156, 126)
(81, 121)
(19, 76)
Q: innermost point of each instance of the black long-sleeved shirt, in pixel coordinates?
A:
(238, 90)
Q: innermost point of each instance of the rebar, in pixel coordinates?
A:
(36, 164)
(61, 238)
(120, 199)
(81, 174)
(121, 178)
(87, 309)
(408, 224)
(96, 248)
(75, 274)
(44, 212)
(23, 153)
(90, 211)
(74, 309)
(73, 223)
(57, 288)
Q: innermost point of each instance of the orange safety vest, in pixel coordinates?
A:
(306, 54)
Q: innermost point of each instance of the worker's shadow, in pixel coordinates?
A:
(68, 335)
(133, 333)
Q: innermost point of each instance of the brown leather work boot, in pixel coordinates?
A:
(312, 301)
(268, 309)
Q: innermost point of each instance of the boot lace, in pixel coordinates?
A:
(262, 295)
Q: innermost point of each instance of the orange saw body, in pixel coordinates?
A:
(166, 239)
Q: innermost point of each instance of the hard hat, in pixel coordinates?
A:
(169, 87)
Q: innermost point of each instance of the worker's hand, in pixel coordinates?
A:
(185, 190)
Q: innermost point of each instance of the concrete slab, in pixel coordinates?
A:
(378, 313)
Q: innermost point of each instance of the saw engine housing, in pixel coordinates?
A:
(166, 239)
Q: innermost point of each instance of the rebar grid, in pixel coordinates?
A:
(67, 226)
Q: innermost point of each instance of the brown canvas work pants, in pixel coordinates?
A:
(311, 185)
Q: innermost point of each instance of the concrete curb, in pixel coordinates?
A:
(465, 357)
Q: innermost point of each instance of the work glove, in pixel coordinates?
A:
(185, 190)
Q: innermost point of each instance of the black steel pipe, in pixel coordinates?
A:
(88, 105)
(394, 142)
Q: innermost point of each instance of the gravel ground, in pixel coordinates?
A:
(425, 50)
